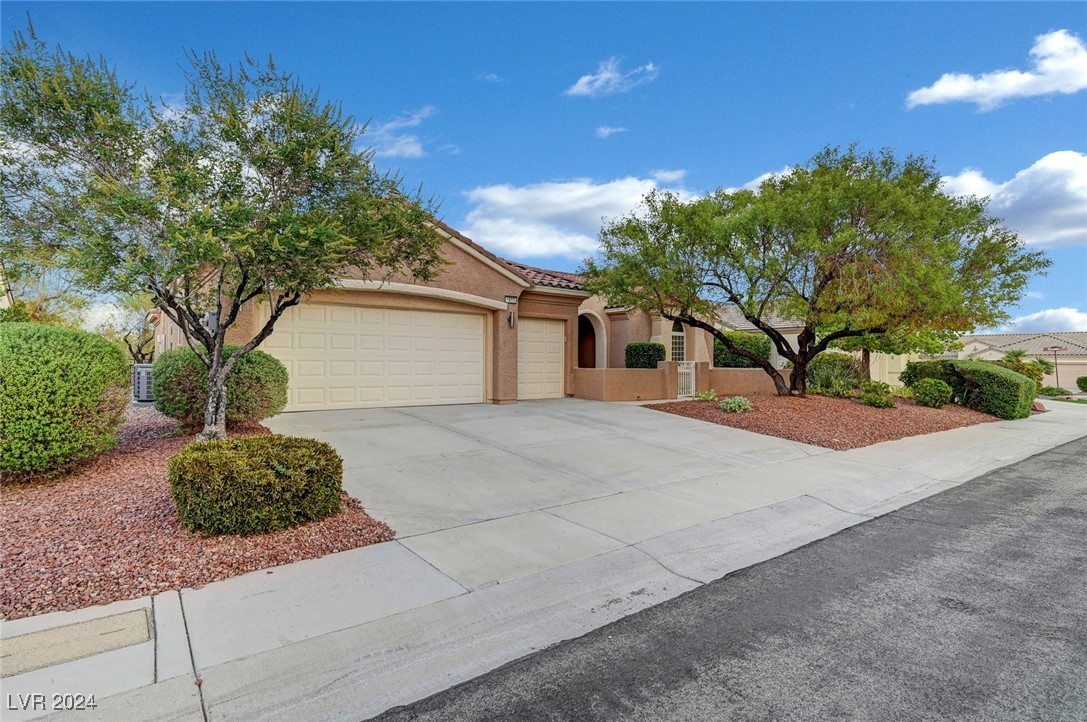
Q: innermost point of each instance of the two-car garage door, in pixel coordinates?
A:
(354, 357)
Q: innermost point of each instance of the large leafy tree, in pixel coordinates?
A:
(251, 190)
(852, 245)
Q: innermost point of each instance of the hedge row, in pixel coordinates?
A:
(987, 387)
(756, 343)
(644, 355)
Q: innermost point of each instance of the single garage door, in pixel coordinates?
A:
(342, 357)
(540, 347)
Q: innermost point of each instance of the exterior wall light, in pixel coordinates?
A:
(512, 317)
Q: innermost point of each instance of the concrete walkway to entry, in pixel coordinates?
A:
(518, 526)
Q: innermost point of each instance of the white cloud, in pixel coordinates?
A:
(450, 149)
(754, 183)
(609, 79)
(1035, 295)
(606, 131)
(1065, 318)
(490, 77)
(669, 176)
(389, 140)
(551, 219)
(1046, 204)
(1059, 65)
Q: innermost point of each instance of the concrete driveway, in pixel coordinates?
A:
(614, 468)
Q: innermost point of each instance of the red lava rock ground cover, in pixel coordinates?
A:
(109, 530)
(829, 422)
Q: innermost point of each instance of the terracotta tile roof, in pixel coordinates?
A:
(544, 277)
(1034, 343)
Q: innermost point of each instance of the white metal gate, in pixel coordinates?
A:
(686, 378)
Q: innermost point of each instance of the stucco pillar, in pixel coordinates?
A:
(701, 376)
(503, 388)
(671, 378)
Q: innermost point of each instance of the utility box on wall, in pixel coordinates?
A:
(141, 383)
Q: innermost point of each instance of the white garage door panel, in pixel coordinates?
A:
(342, 357)
(541, 344)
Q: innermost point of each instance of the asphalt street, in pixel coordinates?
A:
(969, 605)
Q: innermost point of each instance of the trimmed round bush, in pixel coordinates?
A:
(255, 484)
(63, 396)
(943, 370)
(256, 388)
(933, 393)
(756, 343)
(1081, 384)
(644, 355)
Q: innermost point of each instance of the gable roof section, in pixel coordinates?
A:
(735, 321)
(481, 253)
(1034, 343)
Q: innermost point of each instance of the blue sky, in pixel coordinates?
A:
(532, 121)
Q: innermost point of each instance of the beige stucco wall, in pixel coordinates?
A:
(622, 384)
(740, 382)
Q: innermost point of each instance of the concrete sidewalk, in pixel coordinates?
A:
(506, 547)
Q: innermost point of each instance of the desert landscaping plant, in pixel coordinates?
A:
(710, 395)
(849, 245)
(256, 387)
(1051, 391)
(933, 393)
(63, 396)
(834, 373)
(250, 190)
(735, 404)
(877, 394)
(255, 484)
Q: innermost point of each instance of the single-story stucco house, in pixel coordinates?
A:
(1067, 349)
(486, 329)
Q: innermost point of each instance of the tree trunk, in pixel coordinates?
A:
(866, 363)
(798, 383)
(779, 383)
(215, 411)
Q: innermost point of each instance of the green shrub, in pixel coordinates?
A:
(995, 390)
(981, 385)
(942, 370)
(644, 355)
(756, 343)
(710, 395)
(1052, 391)
(902, 392)
(256, 388)
(877, 394)
(735, 404)
(1031, 370)
(63, 396)
(256, 484)
(933, 393)
(1081, 383)
(834, 372)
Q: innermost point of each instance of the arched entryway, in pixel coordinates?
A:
(592, 348)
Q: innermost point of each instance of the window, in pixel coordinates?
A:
(679, 342)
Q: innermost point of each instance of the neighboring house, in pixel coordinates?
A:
(1071, 359)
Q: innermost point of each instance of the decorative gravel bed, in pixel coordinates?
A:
(828, 422)
(109, 531)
